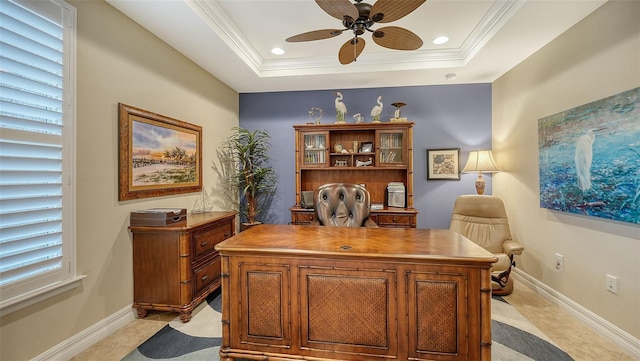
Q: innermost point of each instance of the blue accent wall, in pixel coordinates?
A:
(445, 116)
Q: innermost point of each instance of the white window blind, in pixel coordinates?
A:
(37, 53)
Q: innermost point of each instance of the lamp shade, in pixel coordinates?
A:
(480, 161)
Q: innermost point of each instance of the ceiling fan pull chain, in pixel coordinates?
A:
(355, 48)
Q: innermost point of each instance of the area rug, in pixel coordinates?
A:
(514, 337)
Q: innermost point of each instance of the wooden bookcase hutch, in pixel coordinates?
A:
(372, 154)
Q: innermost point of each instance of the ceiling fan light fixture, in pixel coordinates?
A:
(359, 27)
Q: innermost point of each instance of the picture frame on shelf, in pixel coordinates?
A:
(366, 147)
(157, 155)
(443, 164)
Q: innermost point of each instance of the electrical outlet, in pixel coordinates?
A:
(612, 284)
(559, 264)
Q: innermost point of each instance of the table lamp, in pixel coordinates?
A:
(480, 161)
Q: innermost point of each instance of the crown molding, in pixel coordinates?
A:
(220, 23)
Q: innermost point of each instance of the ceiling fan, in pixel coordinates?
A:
(360, 17)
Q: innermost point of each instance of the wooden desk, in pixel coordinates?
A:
(326, 293)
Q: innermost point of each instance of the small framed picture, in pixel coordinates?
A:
(443, 164)
(366, 147)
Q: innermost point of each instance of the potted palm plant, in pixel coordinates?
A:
(244, 157)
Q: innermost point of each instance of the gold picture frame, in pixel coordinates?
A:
(158, 155)
(443, 164)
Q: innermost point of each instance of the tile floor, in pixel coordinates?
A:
(573, 337)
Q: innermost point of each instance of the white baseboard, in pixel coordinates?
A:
(71, 347)
(606, 329)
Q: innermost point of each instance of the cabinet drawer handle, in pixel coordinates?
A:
(204, 278)
(395, 219)
(203, 244)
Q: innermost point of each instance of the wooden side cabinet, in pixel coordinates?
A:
(176, 267)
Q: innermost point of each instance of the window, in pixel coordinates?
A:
(37, 217)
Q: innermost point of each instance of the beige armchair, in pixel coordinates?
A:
(342, 205)
(483, 219)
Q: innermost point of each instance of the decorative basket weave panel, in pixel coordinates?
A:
(265, 314)
(437, 316)
(348, 310)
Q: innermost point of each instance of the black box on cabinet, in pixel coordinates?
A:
(158, 217)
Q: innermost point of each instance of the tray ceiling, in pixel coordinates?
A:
(232, 39)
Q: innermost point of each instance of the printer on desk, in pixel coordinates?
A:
(396, 194)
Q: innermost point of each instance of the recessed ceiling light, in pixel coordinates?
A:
(277, 51)
(441, 40)
(451, 76)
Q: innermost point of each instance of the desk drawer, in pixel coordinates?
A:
(205, 240)
(302, 217)
(206, 274)
(395, 220)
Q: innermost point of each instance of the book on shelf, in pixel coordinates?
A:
(390, 157)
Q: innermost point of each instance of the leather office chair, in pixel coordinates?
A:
(342, 205)
(483, 219)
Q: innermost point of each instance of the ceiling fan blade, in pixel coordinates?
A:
(349, 52)
(315, 35)
(397, 38)
(393, 9)
(339, 8)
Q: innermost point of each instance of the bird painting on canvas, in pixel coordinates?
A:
(377, 110)
(341, 109)
(589, 158)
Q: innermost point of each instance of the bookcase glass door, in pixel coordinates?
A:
(315, 149)
(391, 147)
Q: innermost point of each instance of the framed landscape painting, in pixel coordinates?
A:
(589, 159)
(158, 155)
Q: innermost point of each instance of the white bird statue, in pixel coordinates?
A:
(341, 109)
(584, 155)
(377, 110)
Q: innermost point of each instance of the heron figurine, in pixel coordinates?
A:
(341, 109)
(375, 112)
(583, 157)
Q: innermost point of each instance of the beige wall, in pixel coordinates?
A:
(118, 61)
(598, 57)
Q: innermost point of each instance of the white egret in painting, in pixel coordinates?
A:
(584, 155)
